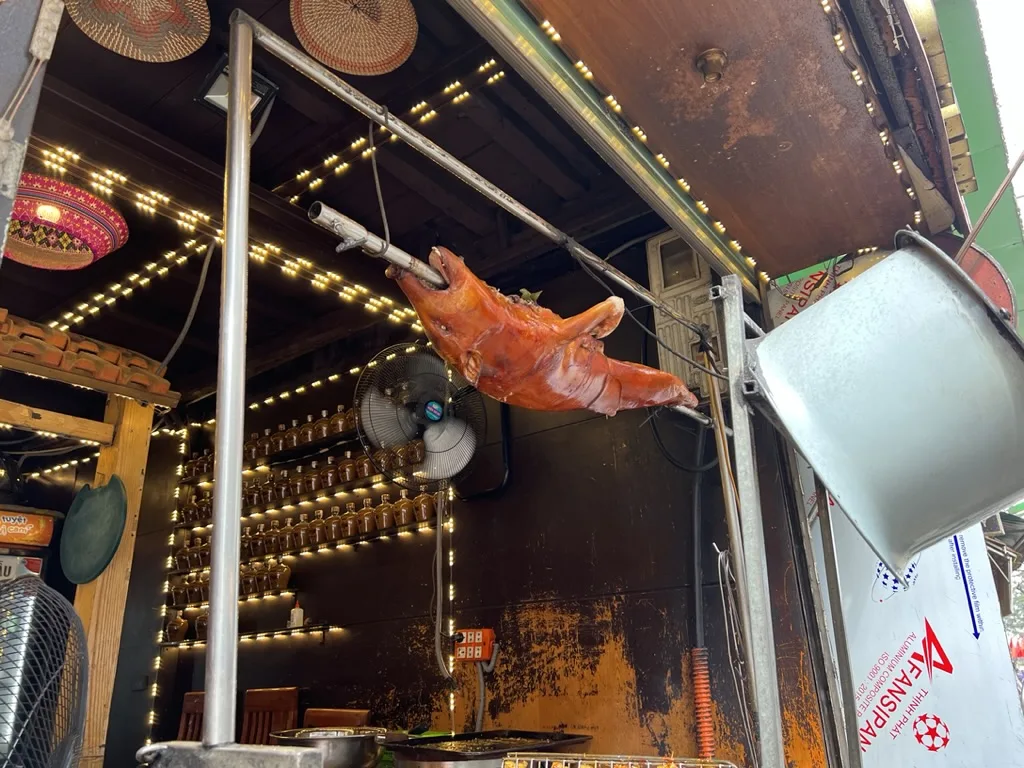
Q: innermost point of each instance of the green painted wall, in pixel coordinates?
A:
(969, 70)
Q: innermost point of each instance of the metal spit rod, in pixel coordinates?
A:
(355, 235)
(380, 115)
(222, 653)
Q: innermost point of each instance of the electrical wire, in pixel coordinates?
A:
(191, 312)
(376, 183)
(437, 595)
(629, 244)
(483, 667)
(653, 419)
(734, 648)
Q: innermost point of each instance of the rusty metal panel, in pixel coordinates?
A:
(782, 149)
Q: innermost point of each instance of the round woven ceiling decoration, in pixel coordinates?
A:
(147, 30)
(56, 225)
(357, 37)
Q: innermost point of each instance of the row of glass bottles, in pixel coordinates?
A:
(271, 442)
(319, 530)
(252, 579)
(270, 488)
(274, 442)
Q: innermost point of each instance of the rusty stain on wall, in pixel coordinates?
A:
(569, 667)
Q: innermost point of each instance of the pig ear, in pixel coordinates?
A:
(600, 320)
(471, 363)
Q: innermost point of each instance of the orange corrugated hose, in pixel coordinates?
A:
(702, 703)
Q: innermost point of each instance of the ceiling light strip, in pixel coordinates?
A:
(455, 92)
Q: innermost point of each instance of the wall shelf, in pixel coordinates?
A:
(310, 629)
(287, 456)
(256, 596)
(398, 530)
(311, 498)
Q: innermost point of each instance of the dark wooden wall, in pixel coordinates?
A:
(583, 567)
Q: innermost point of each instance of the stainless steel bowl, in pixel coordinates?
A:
(341, 747)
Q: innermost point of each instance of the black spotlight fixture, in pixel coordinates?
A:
(214, 95)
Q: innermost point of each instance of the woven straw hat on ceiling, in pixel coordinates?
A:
(357, 37)
(147, 30)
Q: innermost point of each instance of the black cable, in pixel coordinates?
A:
(191, 311)
(698, 565)
(672, 459)
(657, 435)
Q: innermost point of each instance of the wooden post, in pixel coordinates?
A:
(101, 602)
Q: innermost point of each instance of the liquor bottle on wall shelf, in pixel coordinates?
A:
(250, 449)
(384, 513)
(350, 521)
(317, 529)
(334, 524)
(337, 421)
(424, 509)
(302, 531)
(404, 509)
(347, 469)
(322, 426)
(312, 478)
(291, 436)
(329, 473)
(306, 430)
(277, 439)
(263, 447)
(367, 517)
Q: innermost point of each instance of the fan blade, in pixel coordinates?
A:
(426, 364)
(426, 376)
(385, 423)
(450, 444)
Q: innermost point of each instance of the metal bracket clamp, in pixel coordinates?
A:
(192, 754)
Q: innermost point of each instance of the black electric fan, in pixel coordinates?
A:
(407, 393)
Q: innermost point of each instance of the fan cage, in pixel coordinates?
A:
(43, 661)
(397, 396)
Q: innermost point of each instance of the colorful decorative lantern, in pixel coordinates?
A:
(56, 225)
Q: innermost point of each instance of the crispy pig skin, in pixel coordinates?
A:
(526, 355)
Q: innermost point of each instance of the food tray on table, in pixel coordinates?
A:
(482, 745)
(559, 760)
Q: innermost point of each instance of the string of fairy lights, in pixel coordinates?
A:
(423, 111)
(111, 182)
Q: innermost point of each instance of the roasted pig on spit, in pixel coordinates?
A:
(523, 354)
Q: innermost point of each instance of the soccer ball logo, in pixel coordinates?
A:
(931, 732)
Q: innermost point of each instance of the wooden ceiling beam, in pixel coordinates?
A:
(455, 206)
(506, 134)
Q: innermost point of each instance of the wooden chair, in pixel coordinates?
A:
(190, 727)
(267, 710)
(335, 718)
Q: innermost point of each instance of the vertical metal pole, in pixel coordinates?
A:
(762, 636)
(851, 747)
(222, 651)
(833, 709)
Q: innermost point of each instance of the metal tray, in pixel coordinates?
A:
(459, 747)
